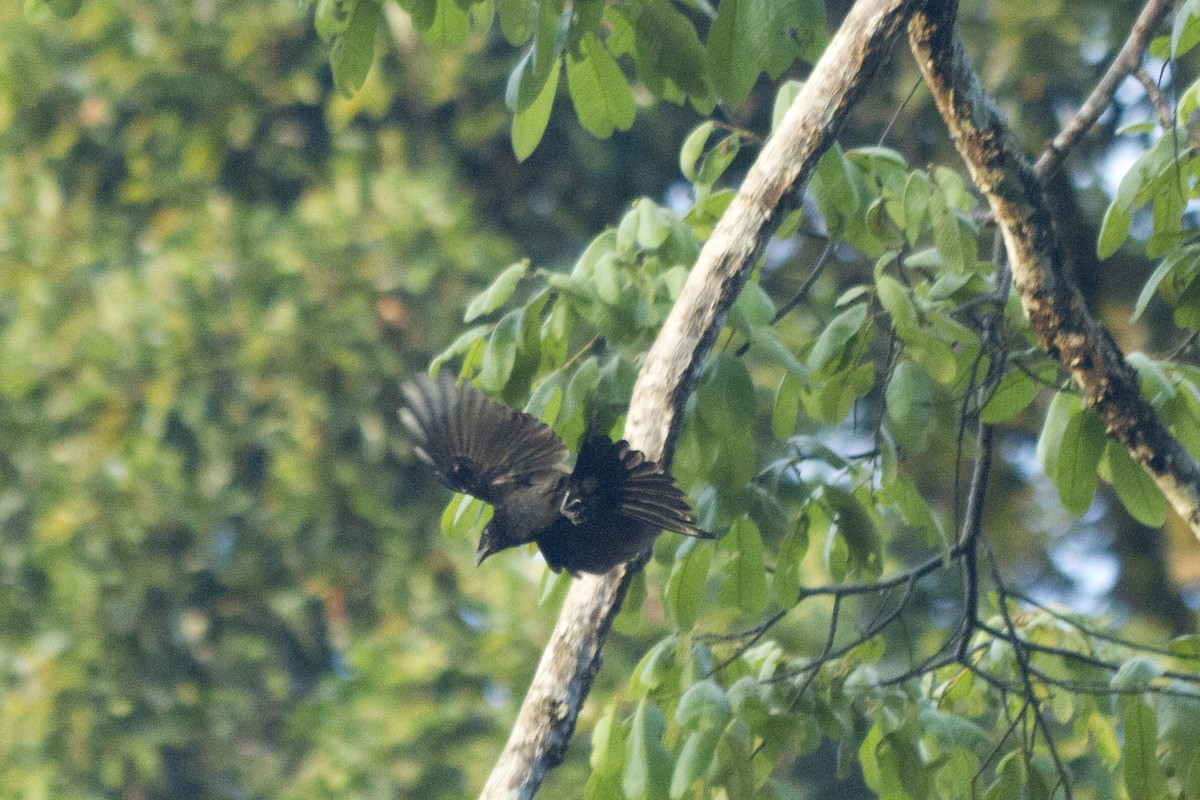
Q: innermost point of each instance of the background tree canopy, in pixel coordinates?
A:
(228, 231)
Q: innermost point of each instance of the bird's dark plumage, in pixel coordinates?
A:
(605, 511)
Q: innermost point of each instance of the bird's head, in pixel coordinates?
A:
(493, 539)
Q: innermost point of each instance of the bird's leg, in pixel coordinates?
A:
(572, 508)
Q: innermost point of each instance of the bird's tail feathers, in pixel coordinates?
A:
(617, 476)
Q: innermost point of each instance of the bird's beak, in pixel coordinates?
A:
(483, 552)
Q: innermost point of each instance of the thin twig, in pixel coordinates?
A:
(829, 642)
(865, 637)
(1127, 59)
(1025, 669)
(1075, 655)
(1162, 108)
(805, 287)
(970, 539)
(899, 109)
(1098, 634)
(742, 649)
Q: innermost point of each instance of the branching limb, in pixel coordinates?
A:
(771, 189)
(1021, 653)
(1162, 108)
(1065, 328)
(1128, 58)
(970, 540)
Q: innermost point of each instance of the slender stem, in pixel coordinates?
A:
(1127, 59)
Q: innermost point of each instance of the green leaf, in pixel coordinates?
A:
(856, 528)
(784, 98)
(746, 586)
(786, 410)
(1011, 396)
(730, 59)
(460, 346)
(910, 405)
(695, 761)
(833, 192)
(792, 549)
(546, 401)
(1136, 674)
(667, 46)
(1082, 445)
(463, 516)
(718, 160)
(501, 353)
(353, 50)
(1186, 646)
(608, 280)
(946, 235)
(608, 744)
(529, 125)
(749, 37)
(931, 350)
(1010, 778)
(574, 416)
(1114, 230)
(603, 244)
(601, 94)
(733, 768)
(1136, 489)
(656, 669)
(918, 190)
(585, 17)
(1155, 279)
(703, 707)
(832, 401)
(1063, 406)
(63, 9)
(528, 79)
(1104, 736)
(837, 334)
(450, 24)
(1143, 774)
(915, 511)
(725, 394)
(1179, 717)
(1187, 312)
(685, 586)
(647, 763)
(653, 226)
(692, 148)
(1156, 386)
(516, 20)
(498, 293)
(896, 301)
(1185, 32)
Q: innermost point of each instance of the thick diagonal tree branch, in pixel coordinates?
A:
(770, 190)
(1056, 311)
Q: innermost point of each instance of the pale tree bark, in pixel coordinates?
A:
(771, 189)
(1056, 311)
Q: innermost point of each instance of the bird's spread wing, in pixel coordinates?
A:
(613, 478)
(475, 444)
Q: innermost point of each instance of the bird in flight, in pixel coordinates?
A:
(605, 511)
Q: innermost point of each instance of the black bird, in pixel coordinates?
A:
(605, 511)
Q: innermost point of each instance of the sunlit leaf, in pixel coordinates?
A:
(498, 293)
(601, 94)
(529, 124)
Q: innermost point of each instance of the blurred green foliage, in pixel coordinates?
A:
(220, 573)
